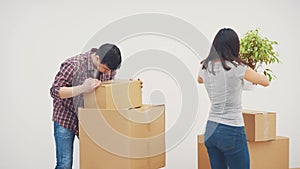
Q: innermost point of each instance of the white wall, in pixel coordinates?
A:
(36, 36)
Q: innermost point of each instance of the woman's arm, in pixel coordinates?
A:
(256, 78)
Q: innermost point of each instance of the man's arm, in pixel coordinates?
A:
(62, 86)
(88, 86)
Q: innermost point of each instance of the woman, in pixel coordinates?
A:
(223, 74)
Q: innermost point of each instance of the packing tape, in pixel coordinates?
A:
(266, 125)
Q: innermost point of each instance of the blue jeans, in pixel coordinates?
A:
(64, 140)
(227, 146)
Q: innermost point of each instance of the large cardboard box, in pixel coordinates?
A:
(259, 125)
(203, 158)
(115, 94)
(270, 154)
(124, 138)
(263, 155)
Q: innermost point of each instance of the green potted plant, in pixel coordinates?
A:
(258, 52)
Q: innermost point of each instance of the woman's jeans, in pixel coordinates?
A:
(226, 146)
(64, 140)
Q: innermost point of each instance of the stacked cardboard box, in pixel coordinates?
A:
(116, 94)
(263, 155)
(117, 131)
(267, 151)
(259, 125)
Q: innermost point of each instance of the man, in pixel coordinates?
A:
(77, 75)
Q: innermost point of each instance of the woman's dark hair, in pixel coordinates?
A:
(110, 55)
(225, 47)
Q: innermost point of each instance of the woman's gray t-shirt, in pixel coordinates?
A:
(224, 89)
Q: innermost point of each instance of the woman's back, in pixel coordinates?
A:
(224, 88)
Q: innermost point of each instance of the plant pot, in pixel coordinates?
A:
(248, 85)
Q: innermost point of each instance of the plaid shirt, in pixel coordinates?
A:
(73, 72)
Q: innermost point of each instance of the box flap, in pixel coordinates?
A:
(145, 114)
(246, 111)
(282, 138)
(116, 81)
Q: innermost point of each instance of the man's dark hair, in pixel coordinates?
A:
(110, 55)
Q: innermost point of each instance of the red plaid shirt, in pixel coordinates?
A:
(73, 72)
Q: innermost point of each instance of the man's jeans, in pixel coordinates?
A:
(64, 140)
(226, 146)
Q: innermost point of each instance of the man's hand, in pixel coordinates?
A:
(140, 82)
(90, 84)
(87, 86)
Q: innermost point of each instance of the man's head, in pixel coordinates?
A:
(107, 58)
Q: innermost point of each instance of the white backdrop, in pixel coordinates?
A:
(36, 36)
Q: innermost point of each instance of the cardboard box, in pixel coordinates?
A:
(263, 155)
(203, 158)
(116, 94)
(125, 138)
(259, 125)
(269, 154)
